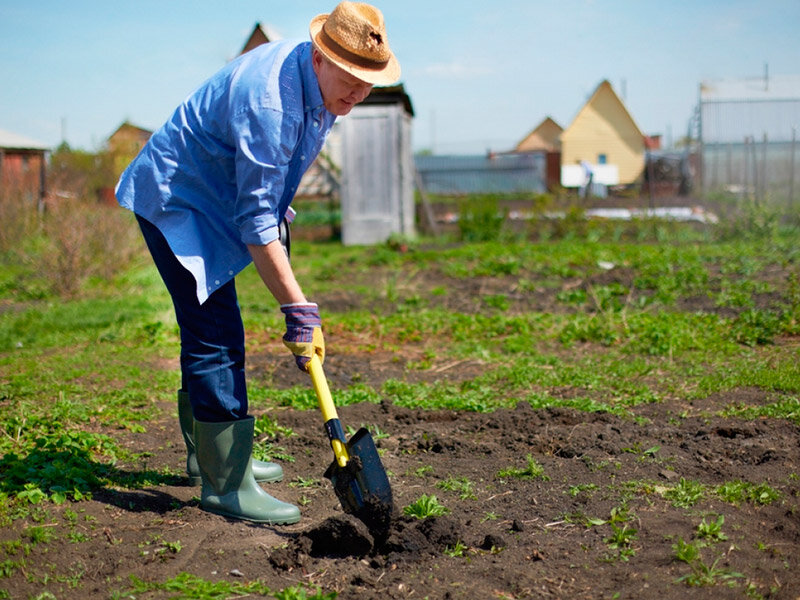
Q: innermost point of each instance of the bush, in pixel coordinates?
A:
(76, 241)
(18, 220)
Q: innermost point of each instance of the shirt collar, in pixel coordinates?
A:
(312, 95)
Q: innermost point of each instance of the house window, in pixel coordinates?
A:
(601, 159)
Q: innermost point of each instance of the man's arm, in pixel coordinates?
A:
(276, 272)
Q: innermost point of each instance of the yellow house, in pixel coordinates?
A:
(604, 135)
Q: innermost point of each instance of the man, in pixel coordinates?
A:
(211, 191)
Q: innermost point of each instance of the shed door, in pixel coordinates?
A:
(370, 188)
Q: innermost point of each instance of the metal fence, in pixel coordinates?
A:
(747, 131)
(488, 174)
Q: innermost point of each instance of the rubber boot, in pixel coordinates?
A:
(266, 472)
(229, 488)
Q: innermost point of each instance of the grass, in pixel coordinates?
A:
(680, 314)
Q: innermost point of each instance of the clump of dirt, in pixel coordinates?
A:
(407, 539)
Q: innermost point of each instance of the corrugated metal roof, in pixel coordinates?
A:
(13, 141)
(769, 87)
(732, 110)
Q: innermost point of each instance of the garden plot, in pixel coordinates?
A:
(552, 428)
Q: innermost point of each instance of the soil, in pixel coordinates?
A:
(517, 537)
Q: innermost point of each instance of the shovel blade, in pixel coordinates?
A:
(362, 485)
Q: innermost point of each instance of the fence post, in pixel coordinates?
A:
(791, 167)
(764, 171)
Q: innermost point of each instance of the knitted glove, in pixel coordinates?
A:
(303, 333)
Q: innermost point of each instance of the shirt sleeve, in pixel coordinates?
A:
(265, 143)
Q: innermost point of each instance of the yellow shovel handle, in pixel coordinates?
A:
(326, 405)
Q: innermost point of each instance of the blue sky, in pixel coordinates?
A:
(480, 75)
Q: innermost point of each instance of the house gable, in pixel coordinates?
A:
(545, 137)
(257, 37)
(604, 131)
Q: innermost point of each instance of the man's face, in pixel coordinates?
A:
(340, 90)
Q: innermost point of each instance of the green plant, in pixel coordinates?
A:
(575, 490)
(685, 551)
(621, 540)
(704, 575)
(268, 451)
(712, 531)
(461, 485)
(457, 550)
(267, 426)
(686, 493)
(532, 470)
(424, 507)
(737, 491)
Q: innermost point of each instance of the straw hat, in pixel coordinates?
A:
(353, 37)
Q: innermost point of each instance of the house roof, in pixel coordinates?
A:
(392, 94)
(13, 141)
(769, 87)
(261, 34)
(604, 89)
(544, 137)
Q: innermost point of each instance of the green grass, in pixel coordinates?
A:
(109, 356)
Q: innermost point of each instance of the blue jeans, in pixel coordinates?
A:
(212, 337)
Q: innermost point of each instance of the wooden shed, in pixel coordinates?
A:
(377, 182)
(125, 143)
(23, 167)
(604, 135)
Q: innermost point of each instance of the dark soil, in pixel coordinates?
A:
(511, 537)
(521, 538)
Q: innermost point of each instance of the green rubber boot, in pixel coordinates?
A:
(229, 488)
(265, 472)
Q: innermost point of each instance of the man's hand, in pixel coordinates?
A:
(303, 332)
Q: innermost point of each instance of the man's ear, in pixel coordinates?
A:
(316, 59)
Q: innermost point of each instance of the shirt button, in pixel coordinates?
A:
(302, 157)
(230, 272)
(316, 124)
(216, 282)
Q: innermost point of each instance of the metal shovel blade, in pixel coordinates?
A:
(362, 485)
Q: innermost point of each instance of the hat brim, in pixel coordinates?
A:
(386, 74)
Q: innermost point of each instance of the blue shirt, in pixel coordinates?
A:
(221, 173)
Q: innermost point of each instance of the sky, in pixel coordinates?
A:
(480, 75)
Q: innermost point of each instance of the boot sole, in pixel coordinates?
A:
(222, 513)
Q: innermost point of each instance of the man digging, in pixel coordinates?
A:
(211, 191)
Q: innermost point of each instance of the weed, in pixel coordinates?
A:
(712, 531)
(303, 483)
(422, 471)
(621, 540)
(685, 551)
(457, 550)
(426, 506)
(461, 485)
(686, 493)
(185, 585)
(702, 574)
(267, 451)
(39, 535)
(576, 490)
(374, 431)
(737, 492)
(267, 426)
(705, 575)
(533, 470)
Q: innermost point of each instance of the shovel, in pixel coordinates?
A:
(357, 474)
